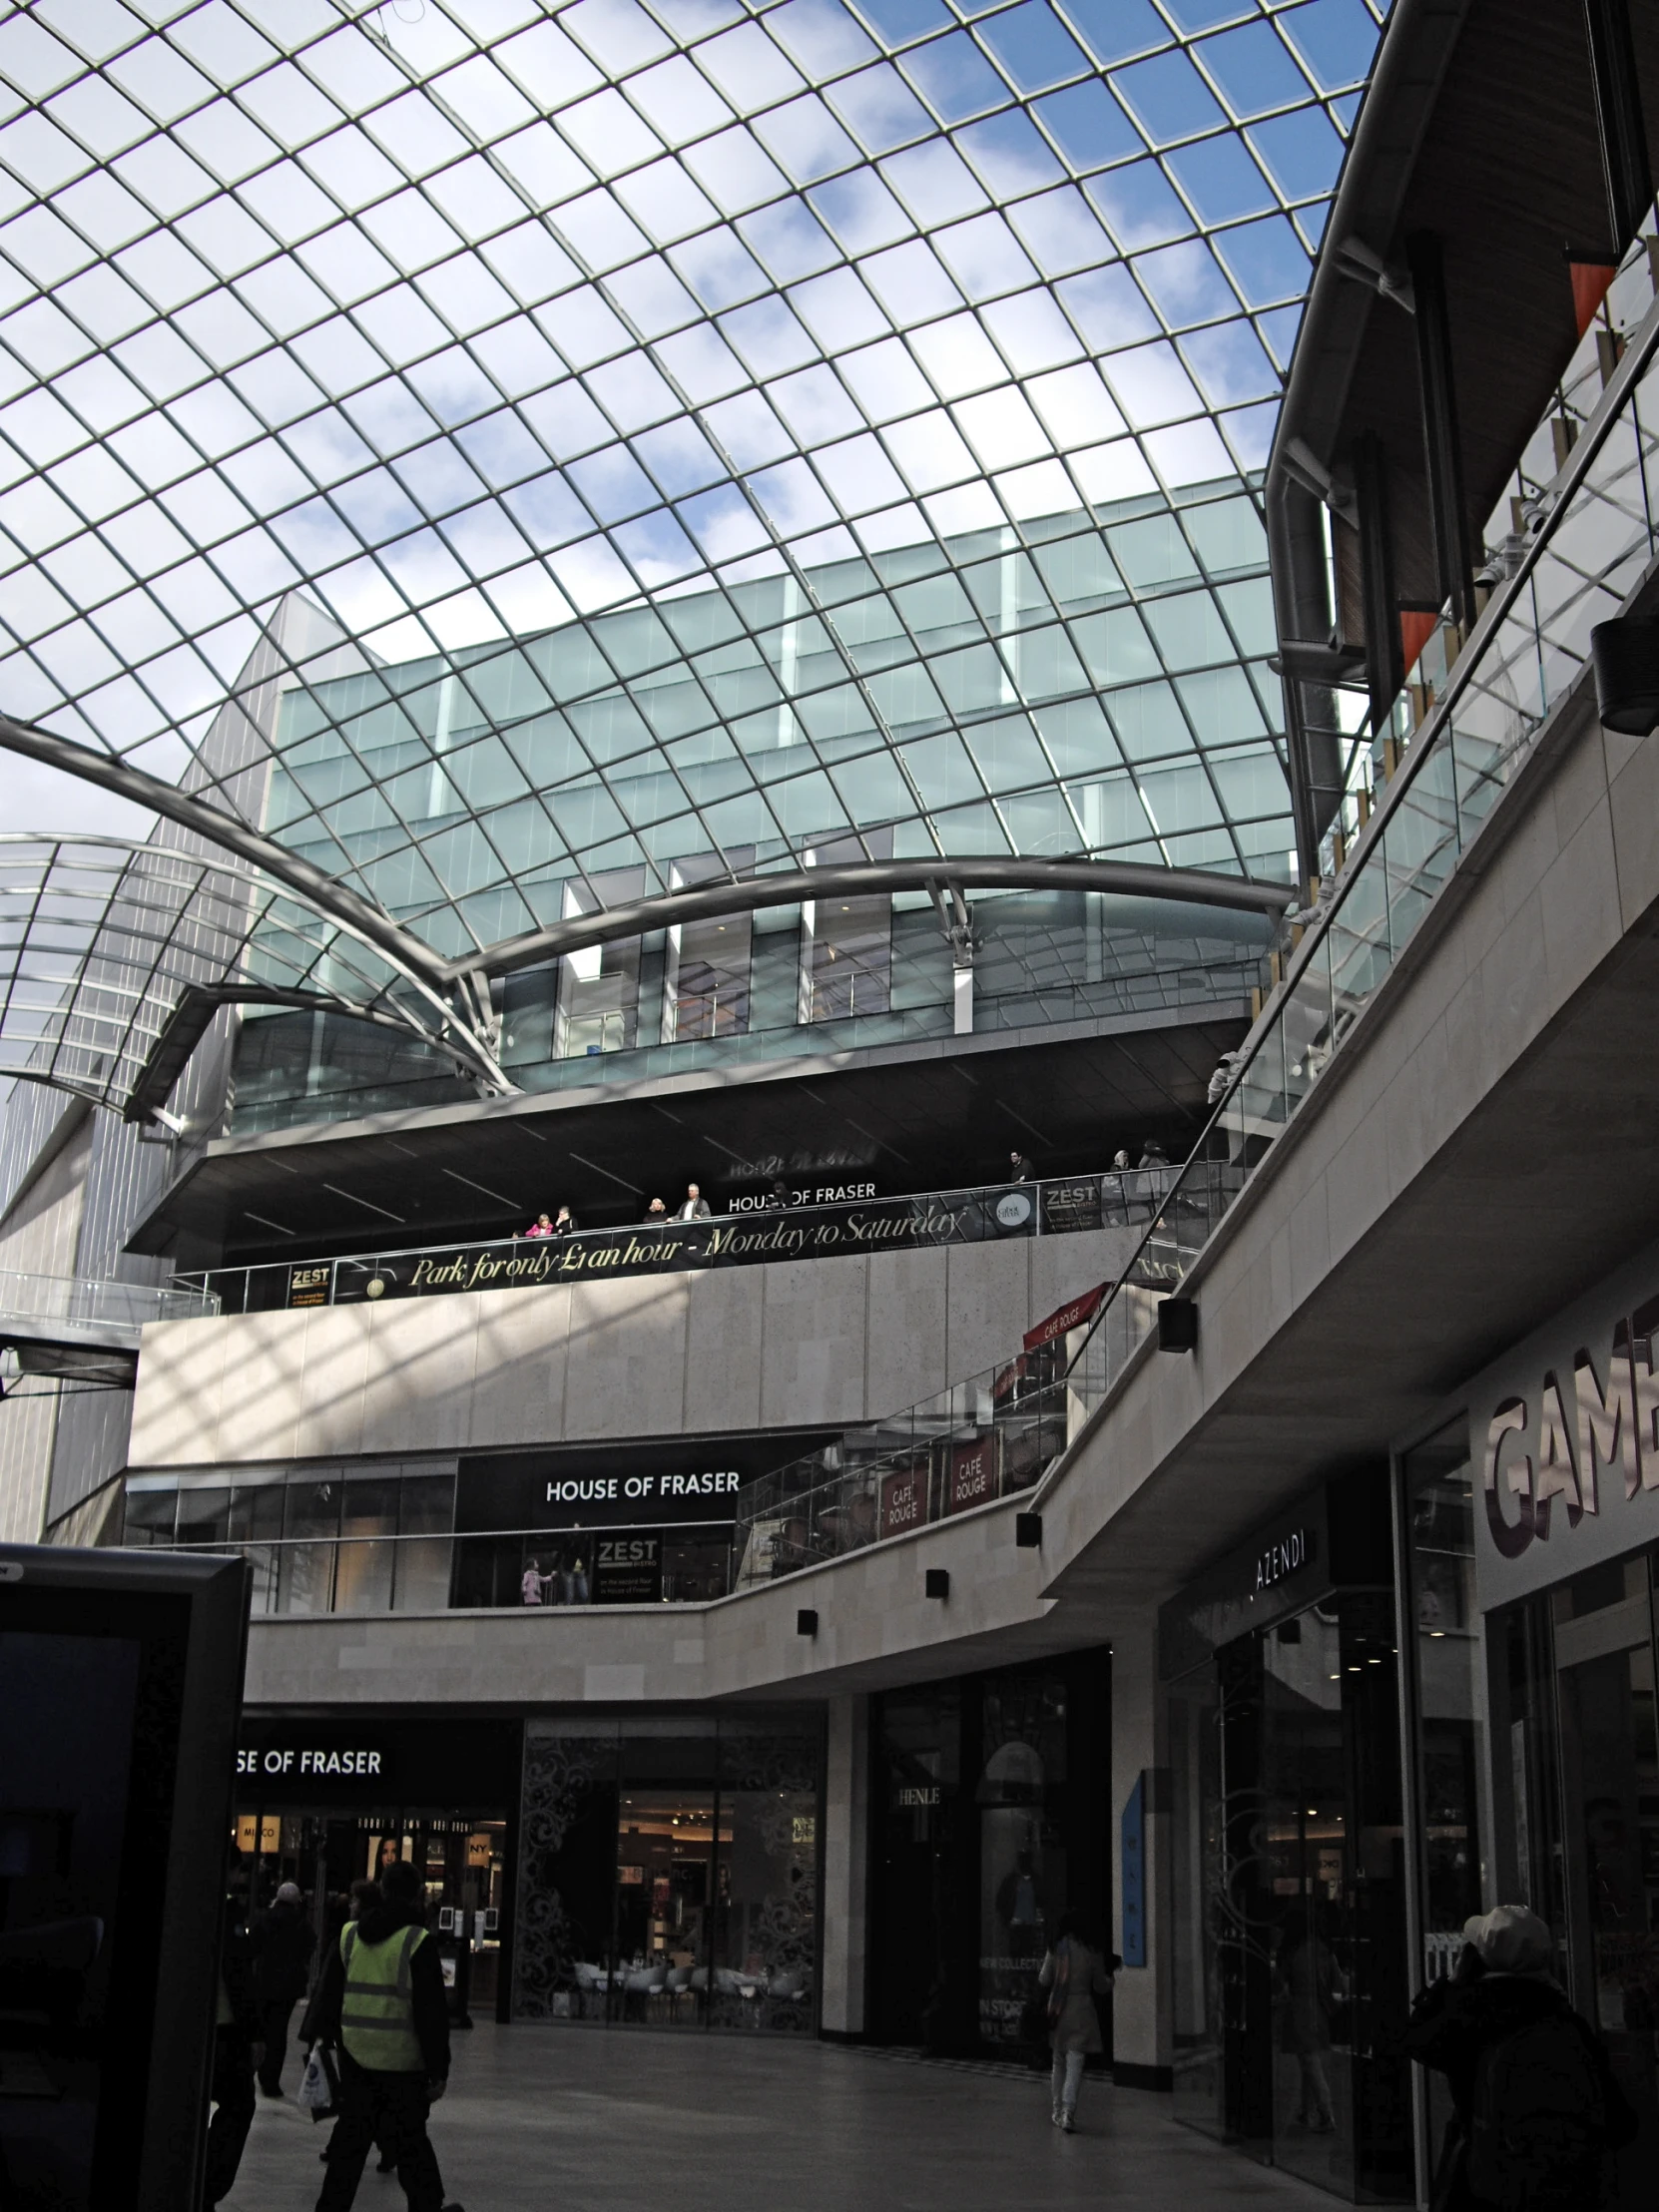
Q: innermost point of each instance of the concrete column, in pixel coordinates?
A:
(845, 1864)
(1141, 2036)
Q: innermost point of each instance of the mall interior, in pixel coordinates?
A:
(1099, 1354)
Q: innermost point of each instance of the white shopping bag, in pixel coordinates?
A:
(319, 2085)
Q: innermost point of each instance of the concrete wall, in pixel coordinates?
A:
(39, 1235)
(845, 1864)
(791, 1343)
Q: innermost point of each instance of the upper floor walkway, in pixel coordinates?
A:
(1445, 1114)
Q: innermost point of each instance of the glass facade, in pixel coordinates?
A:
(1575, 1786)
(407, 1536)
(988, 1815)
(669, 1871)
(525, 457)
(1290, 1861)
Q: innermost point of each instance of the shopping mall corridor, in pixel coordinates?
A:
(618, 2122)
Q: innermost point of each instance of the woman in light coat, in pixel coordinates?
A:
(1074, 1975)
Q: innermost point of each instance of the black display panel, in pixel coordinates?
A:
(120, 1679)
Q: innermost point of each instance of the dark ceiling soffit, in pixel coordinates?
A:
(300, 875)
(1406, 85)
(865, 878)
(189, 1023)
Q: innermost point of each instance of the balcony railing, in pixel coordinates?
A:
(92, 1306)
(1007, 1429)
(1055, 1206)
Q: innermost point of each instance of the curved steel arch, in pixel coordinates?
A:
(103, 940)
(302, 876)
(862, 879)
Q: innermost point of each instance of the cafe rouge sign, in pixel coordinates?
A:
(1565, 1430)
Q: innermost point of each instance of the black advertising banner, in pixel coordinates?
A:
(1071, 1206)
(878, 1225)
(628, 1568)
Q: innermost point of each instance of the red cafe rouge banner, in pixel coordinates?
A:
(1068, 1316)
(905, 1499)
(971, 1477)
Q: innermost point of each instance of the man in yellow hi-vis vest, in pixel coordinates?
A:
(380, 2002)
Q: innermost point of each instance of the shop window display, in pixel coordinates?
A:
(989, 1822)
(1577, 1812)
(670, 1874)
(1288, 1843)
(1447, 1673)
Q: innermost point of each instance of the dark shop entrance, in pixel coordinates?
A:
(989, 1807)
(329, 1803)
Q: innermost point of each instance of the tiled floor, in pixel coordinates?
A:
(614, 2122)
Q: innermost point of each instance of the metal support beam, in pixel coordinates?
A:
(1443, 446)
(1384, 655)
(865, 878)
(319, 889)
(1301, 612)
(1626, 170)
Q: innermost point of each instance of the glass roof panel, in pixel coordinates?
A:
(619, 379)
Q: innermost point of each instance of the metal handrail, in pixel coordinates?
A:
(1150, 1185)
(97, 1302)
(1569, 481)
(1160, 1257)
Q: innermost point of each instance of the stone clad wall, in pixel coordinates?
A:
(791, 1343)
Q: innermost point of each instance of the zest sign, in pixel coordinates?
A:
(1586, 1433)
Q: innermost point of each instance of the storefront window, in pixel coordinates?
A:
(991, 1821)
(1446, 1678)
(1198, 1820)
(920, 1847)
(670, 1873)
(1290, 1896)
(1022, 1854)
(1586, 1829)
(1449, 1671)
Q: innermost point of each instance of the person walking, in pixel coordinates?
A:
(1536, 2110)
(381, 2002)
(532, 1583)
(1074, 1975)
(696, 1207)
(283, 1943)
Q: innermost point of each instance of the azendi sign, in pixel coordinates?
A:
(1565, 1431)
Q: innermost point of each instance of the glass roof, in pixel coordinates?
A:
(100, 939)
(860, 406)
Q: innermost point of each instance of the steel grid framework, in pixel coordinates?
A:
(100, 940)
(780, 365)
